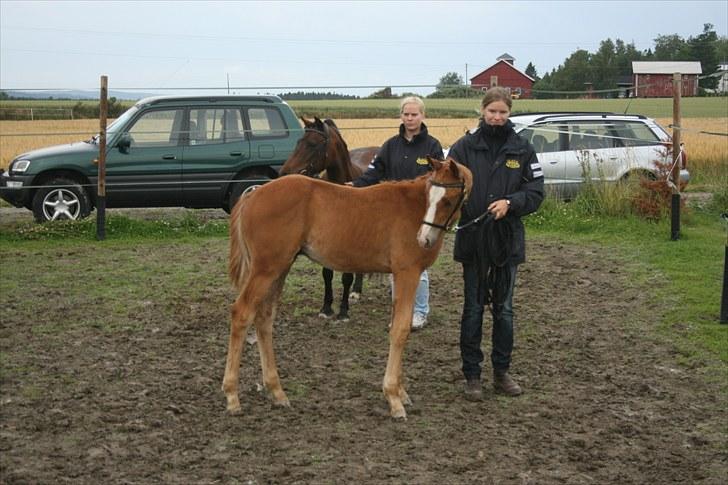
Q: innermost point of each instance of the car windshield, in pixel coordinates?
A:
(117, 124)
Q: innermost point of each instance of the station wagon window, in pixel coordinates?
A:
(544, 138)
(266, 123)
(633, 134)
(158, 128)
(590, 136)
(215, 125)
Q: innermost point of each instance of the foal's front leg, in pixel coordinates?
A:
(405, 285)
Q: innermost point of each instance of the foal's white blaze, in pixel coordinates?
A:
(427, 235)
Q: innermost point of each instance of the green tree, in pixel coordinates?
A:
(703, 48)
(670, 48)
(450, 79)
(531, 71)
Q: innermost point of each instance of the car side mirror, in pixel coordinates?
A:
(124, 143)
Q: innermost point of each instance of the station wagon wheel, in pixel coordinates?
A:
(61, 199)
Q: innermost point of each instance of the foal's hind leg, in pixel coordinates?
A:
(242, 314)
(355, 294)
(326, 310)
(346, 281)
(264, 329)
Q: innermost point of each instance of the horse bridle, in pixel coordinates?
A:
(310, 169)
(461, 198)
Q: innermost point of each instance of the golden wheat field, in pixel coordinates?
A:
(17, 137)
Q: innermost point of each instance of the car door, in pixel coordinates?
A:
(270, 139)
(215, 150)
(637, 147)
(547, 139)
(148, 173)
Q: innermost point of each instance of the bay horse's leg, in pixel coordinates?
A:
(346, 280)
(264, 329)
(405, 286)
(355, 294)
(326, 311)
(243, 313)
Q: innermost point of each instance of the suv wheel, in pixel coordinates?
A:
(66, 201)
(242, 188)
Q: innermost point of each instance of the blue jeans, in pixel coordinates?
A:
(422, 296)
(471, 326)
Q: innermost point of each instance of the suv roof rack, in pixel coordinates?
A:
(212, 99)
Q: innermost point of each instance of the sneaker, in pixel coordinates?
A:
(418, 321)
(473, 389)
(504, 384)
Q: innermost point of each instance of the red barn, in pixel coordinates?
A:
(504, 74)
(654, 79)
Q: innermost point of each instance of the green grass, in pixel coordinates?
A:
(689, 270)
(692, 107)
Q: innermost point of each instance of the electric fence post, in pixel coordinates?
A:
(724, 300)
(676, 155)
(101, 194)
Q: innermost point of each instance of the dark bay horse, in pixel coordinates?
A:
(322, 150)
(393, 227)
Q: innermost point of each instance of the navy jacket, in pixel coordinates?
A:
(399, 159)
(512, 173)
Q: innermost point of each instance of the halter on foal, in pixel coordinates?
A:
(394, 227)
(323, 149)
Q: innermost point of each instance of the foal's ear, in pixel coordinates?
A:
(306, 123)
(454, 168)
(435, 163)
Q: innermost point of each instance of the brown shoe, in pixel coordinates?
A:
(473, 389)
(504, 384)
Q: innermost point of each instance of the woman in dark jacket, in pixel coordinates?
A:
(507, 184)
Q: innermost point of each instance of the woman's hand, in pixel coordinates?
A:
(499, 208)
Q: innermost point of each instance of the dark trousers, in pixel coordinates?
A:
(471, 326)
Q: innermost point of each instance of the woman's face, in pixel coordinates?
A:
(412, 117)
(496, 113)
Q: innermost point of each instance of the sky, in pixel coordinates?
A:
(345, 47)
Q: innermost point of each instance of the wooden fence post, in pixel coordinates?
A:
(101, 195)
(676, 155)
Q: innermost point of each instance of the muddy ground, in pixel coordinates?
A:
(113, 354)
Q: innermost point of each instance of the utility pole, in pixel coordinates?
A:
(676, 154)
(466, 74)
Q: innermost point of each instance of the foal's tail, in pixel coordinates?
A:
(239, 254)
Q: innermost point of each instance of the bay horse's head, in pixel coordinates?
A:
(448, 187)
(320, 148)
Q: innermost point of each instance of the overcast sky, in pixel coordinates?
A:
(315, 45)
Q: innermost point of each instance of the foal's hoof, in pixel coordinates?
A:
(354, 297)
(399, 415)
(342, 318)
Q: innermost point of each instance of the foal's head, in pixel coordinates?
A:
(320, 148)
(447, 188)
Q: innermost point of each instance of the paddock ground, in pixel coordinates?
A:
(112, 358)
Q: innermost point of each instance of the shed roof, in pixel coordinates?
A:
(507, 64)
(666, 67)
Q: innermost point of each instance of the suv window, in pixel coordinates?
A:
(633, 133)
(266, 123)
(158, 128)
(215, 125)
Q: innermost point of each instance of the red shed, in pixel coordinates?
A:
(503, 73)
(654, 79)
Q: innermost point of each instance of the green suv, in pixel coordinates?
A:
(180, 151)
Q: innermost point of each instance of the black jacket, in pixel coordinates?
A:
(512, 173)
(399, 159)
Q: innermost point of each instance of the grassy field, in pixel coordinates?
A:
(693, 107)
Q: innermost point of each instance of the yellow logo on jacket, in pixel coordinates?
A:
(422, 161)
(511, 163)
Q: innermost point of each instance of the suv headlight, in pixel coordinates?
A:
(19, 166)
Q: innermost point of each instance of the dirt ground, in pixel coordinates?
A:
(114, 376)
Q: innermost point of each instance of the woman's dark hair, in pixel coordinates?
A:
(497, 93)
